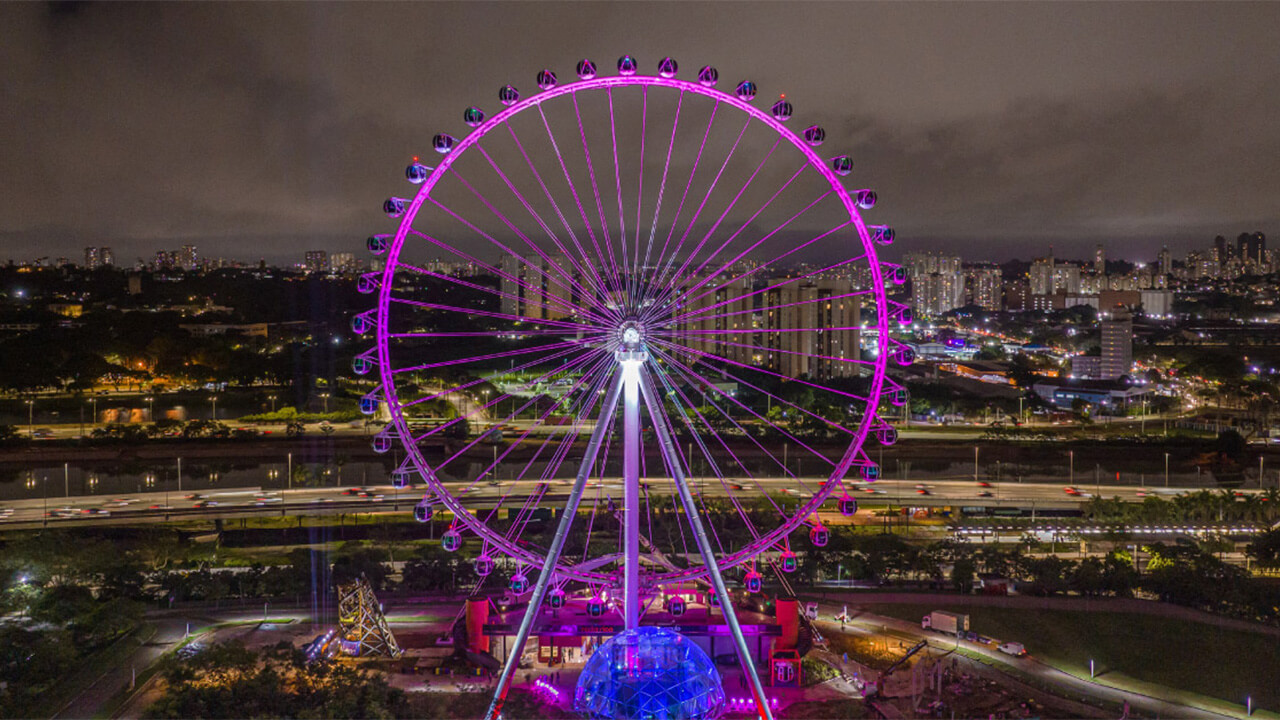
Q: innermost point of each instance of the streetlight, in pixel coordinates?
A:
(325, 396)
(1091, 673)
(272, 398)
(975, 463)
(151, 408)
(214, 400)
(94, 403)
(1166, 469)
(31, 414)
(1071, 477)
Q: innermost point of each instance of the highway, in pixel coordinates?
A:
(160, 506)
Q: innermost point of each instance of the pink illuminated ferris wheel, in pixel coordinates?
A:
(642, 296)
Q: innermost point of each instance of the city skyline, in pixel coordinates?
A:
(1068, 125)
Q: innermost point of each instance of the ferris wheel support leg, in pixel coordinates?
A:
(604, 421)
(667, 446)
(631, 492)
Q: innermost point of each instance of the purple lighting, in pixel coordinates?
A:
(588, 325)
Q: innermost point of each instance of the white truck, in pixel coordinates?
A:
(947, 622)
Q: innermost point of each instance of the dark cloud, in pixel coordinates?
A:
(267, 129)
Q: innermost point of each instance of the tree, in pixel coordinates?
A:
(962, 575)
(229, 680)
(1265, 550)
(1087, 577)
(368, 562)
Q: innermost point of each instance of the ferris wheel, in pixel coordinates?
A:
(640, 296)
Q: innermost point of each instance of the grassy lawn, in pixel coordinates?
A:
(1199, 658)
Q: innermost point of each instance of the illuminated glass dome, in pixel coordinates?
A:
(649, 673)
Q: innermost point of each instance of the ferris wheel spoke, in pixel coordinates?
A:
(729, 491)
(704, 354)
(483, 358)
(480, 333)
(737, 379)
(487, 267)
(484, 407)
(617, 181)
(674, 285)
(694, 382)
(591, 234)
(675, 252)
(558, 278)
(697, 380)
(472, 259)
(595, 189)
(696, 316)
(635, 265)
(497, 243)
(773, 286)
(555, 240)
(567, 366)
(584, 402)
(588, 271)
(679, 275)
(717, 337)
(728, 264)
(662, 186)
(688, 185)
(482, 380)
(494, 314)
(559, 305)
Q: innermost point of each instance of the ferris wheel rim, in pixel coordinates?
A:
(814, 161)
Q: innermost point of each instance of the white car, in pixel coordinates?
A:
(1012, 648)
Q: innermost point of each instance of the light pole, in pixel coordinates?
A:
(31, 415)
(94, 403)
(289, 472)
(272, 398)
(325, 397)
(975, 463)
(1091, 673)
(151, 408)
(1071, 476)
(1166, 469)
(214, 400)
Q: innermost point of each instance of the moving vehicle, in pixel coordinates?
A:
(1012, 648)
(945, 622)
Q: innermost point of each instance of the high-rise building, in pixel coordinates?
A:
(937, 293)
(316, 261)
(1041, 276)
(1100, 260)
(188, 258)
(343, 262)
(1165, 260)
(107, 257)
(92, 259)
(985, 286)
(937, 282)
(1221, 250)
(1117, 343)
(1066, 278)
(1252, 247)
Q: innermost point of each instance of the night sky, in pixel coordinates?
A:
(992, 130)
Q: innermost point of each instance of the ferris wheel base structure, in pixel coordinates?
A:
(639, 312)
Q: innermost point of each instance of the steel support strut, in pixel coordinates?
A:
(667, 445)
(631, 491)
(603, 423)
